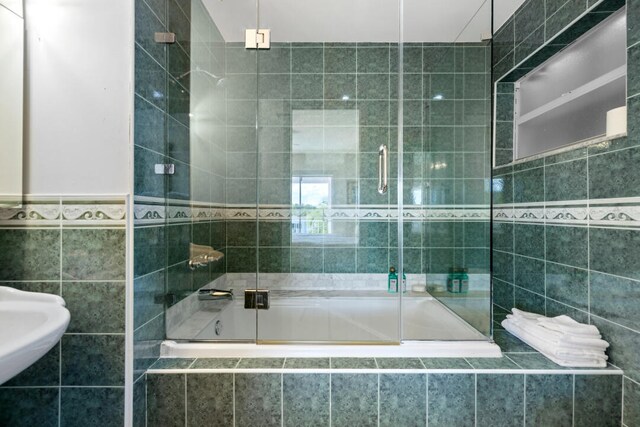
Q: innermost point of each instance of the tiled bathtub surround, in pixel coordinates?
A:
(566, 226)
(521, 388)
(72, 247)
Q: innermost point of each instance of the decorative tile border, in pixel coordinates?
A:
(605, 212)
(148, 212)
(66, 211)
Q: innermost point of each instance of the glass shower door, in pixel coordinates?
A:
(446, 125)
(327, 103)
(210, 139)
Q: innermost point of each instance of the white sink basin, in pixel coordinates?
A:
(31, 324)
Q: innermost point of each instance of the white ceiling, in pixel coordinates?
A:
(360, 20)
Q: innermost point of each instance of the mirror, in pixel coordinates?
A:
(11, 101)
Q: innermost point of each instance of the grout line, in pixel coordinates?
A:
(330, 397)
(573, 402)
(378, 399)
(427, 399)
(186, 407)
(524, 400)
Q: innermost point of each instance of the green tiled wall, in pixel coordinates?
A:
(81, 380)
(580, 265)
(468, 395)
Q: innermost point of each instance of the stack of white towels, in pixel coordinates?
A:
(561, 339)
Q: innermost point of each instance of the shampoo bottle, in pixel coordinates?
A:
(392, 286)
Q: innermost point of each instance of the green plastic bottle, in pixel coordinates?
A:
(392, 286)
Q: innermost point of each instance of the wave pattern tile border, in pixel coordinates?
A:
(624, 213)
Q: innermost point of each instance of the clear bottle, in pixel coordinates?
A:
(392, 286)
(404, 283)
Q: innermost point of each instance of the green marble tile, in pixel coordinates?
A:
(438, 59)
(509, 343)
(625, 346)
(353, 363)
(533, 361)
(598, 400)
(492, 363)
(549, 400)
(140, 402)
(609, 252)
(43, 247)
(567, 245)
(215, 363)
(339, 260)
(445, 363)
(258, 399)
(92, 360)
(261, 363)
(528, 186)
(307, 86)
(209, 399)
(631, 402)
(172, 363)
(276, 59)
(354, 400)
(305, 399)
(611, 174)
(274, 260)
(529, 273)
(402, 399)
(373, 86)
(529, 301)
(568, 285)
(529, 240)
(500, 400)
(95, 307)
(92, 406)
(446, 388)
(29, 407)
(399, 363)
(306, 60)
(79, 249)
(339, 60)
(166, 400)
(306, 363)
(566, 181)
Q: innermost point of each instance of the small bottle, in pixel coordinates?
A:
(404, 283)
(392, 286)
(464, 280)
(453, 281)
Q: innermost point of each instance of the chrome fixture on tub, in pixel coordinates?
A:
(201, 256)
(215, 294)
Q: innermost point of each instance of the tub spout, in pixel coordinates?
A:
(215, 294)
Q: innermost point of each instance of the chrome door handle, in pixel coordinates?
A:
(383, 169)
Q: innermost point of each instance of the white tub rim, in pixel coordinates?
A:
(422, 349)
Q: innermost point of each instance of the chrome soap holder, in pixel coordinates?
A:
(201, 256)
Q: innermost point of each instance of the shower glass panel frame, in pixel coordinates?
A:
(280, 174)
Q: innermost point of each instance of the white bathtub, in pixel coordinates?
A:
(333, 317)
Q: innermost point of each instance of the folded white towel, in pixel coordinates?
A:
(526, 314)
(561, 357)
(563, 324)
(562, 340)
(567, 325)
(552, 350)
